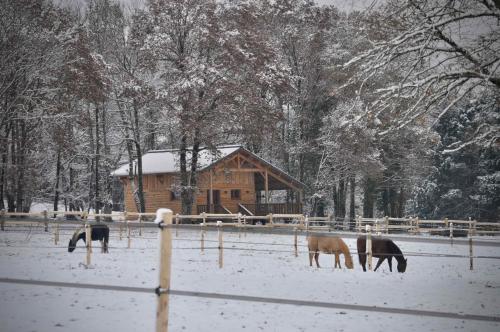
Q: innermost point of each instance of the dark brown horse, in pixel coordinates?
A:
(381, 248)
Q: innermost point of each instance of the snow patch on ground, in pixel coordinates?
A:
(430, 283)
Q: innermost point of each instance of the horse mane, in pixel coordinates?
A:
(345, 250)
(76, 234)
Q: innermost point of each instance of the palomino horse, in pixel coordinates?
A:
(328, 245)
(381, 248)
(98, 232)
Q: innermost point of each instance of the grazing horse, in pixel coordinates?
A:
(381, 248)
(98, 232)
(328, 245)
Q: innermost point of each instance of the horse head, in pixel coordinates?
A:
(74, 240)
(402, 265)
(349, 264)
(71, 245)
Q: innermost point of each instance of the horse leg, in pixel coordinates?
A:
(311, 254)
(380, 260)
(337, 260)
(102, 246)
(389, 261)
(316, 258)
(362, 260)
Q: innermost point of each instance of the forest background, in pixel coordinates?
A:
(393, 110)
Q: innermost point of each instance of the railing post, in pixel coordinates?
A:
(164, 218)
(88, 242)
(2, 219)
(369, 245)
(46, 220)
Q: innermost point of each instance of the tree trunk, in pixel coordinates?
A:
(56, 187)
(185, 192)
(352, 208)
(97, 197)
(368, 197)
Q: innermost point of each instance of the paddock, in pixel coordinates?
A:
(257, 265)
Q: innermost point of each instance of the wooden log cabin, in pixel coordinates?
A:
(232, 180)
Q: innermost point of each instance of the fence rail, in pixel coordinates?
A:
(386, 225)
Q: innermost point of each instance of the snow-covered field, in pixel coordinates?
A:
(430, 283)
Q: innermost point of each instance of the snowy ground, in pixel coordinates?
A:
(430, 283)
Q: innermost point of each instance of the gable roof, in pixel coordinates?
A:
(167, 161)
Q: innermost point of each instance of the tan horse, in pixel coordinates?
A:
(328, 245)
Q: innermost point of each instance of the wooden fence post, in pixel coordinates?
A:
(239, 225)
(474, 227)
(221, 247)
(128, 235)
(46, 220)
(203, 219)
(369, 245)
(2, 219)
(165, 265)
(386, 219)
(56, 232)
(295, 241)
(446, 225)
(270, 218)
(417, 225)
(140, 224)
(88, 242)
(471, 254)
(451, 232)
(176, 225)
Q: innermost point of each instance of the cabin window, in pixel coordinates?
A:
(235, 194)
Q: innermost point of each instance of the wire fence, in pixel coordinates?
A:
(239, 228)
(258, 299)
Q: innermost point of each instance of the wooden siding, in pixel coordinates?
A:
(233, 174)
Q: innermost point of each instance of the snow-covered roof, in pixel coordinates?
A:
(167, 161)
